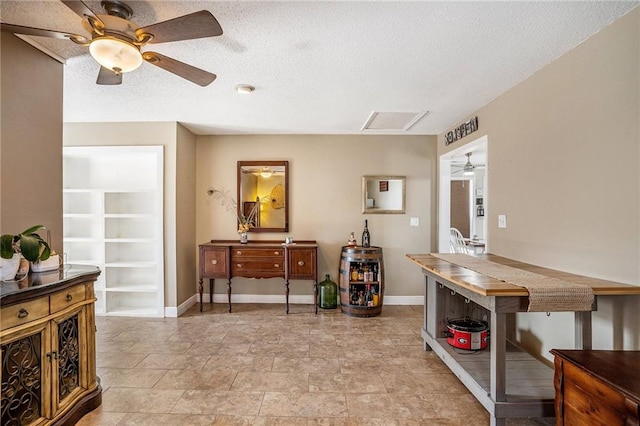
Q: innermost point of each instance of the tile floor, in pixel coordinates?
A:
(259, 366)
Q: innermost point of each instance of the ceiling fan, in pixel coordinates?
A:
(467, 168)
(115, 41)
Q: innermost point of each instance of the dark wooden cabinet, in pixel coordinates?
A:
(596, 387)
(258, 259)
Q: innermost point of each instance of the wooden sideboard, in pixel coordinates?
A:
(47, 338)
(226, 259)
(597, 387)
(507, 381)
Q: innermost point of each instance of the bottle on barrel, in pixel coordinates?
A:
(366, 237)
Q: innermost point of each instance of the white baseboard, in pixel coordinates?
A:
(171, 312)
(295, 299)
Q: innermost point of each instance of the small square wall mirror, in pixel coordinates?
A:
(383, 194)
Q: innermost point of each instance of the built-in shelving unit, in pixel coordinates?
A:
(113, 218)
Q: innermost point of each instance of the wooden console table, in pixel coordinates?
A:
(47, 338)
(258, 259)
(507, 381)
(597, 387)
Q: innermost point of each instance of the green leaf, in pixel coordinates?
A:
(6, 246)
(30, 247)
(33, 229)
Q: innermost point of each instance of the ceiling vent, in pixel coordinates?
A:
(397, 121)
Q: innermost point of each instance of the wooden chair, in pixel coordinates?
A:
(456, 242)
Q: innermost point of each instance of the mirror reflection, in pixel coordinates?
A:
(383, 194)
(263, 194)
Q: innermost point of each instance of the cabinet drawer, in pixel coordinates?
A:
(214, 263)
(302, 263)
(258, 268)
(22, 313)
(67, 297)
(241, 253)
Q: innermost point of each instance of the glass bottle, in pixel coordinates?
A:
(366, 236)
(352, 240)
(328, 294)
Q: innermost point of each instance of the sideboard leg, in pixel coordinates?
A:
(211, 284)
(286, 294)
(315, 295)
(200, 292)
(229, 294)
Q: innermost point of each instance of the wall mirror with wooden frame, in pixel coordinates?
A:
(264, 186)
(383, 194)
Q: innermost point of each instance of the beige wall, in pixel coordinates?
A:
(564, 167)
(185, 214)
(31, 140)
(325, 198)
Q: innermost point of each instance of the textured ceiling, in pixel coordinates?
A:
(323, 67)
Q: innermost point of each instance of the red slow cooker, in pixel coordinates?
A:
(467, 333)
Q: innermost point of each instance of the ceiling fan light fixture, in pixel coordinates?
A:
(468, 167)
(115, 54)
(266, 173)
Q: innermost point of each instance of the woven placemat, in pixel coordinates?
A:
(546, 294)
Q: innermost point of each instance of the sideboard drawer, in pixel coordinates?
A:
(23, 313)
(241, 253)
(252, 262)
(258, 268)
(68, 297)
(214, 261)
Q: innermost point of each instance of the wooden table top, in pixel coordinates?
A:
(488, 286)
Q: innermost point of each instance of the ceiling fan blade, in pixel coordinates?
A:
(83, 11)
(195, 25)
(41, 32)
(108, 78)
(186, 71)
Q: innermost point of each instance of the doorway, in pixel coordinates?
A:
(453, 210)
(459, 211)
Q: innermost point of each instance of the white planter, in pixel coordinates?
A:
(52, 263)
(9, 267)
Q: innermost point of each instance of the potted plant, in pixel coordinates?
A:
(27, 244)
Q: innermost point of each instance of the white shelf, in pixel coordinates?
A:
(131, 265)
(132, 311)
(128, 215)
(113, 218)
(81, 240)
(141, 288)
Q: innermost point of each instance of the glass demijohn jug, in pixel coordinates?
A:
(328, 294)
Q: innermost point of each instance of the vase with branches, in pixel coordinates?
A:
(245, 221)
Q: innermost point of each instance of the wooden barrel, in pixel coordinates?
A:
(368, 282)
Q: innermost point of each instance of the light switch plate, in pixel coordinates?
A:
(502, 221)
(415, 221)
